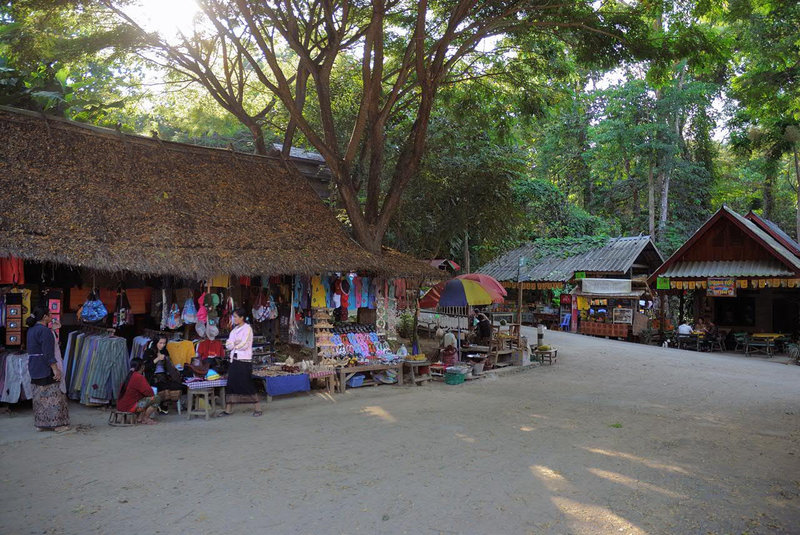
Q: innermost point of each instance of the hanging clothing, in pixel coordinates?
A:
(365, 282)
(210, 349)
(12, 270)
(357, 283)
(17, 381)
(181, 352)
(220, 281)
(318, 296)
(95, 367)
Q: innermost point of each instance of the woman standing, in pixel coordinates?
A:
(240, 387)
(49, 403)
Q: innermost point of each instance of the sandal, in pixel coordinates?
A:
(223, 413)
(256, 414)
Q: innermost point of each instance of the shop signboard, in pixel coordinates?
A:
(662, 283)
(721, 287)
(623, 315)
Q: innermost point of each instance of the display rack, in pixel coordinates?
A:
(322, 333)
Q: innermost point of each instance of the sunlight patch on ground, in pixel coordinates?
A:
(379, 412)
(526, 428)
(465, 438)
(633, 483)
(647, 462)
(594, 518)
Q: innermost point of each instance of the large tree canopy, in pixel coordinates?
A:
(405, 52)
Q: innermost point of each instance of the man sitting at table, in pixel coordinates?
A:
(684, 328)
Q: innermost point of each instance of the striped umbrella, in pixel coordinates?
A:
(458, 293)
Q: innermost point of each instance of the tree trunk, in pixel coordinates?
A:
(663, 179)
(651, 202)
(797, 178)
(770, 178)
(258, 138)
(635, 209)
(466, 253)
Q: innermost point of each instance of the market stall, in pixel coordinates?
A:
(612, 308)
(143, 249)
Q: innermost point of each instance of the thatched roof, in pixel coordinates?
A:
(96, 198)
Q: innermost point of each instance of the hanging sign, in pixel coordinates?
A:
(721, 287)
(580, 274)
(662, 283)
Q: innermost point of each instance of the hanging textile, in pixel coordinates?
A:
(95, 367)
(12, 270)
(17, 379)
(318, 297)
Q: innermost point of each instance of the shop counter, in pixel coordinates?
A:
(614, 330)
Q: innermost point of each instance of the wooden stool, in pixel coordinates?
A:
(193, 396)
(121, 419)
(551, 355)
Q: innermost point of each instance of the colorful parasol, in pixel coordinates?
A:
(458, 293)
(489, 284)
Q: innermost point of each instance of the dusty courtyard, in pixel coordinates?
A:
(614, 438)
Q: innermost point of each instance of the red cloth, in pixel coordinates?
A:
(12, 270)
(210, 348)
(138, 388)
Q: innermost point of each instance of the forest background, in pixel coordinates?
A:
(644, 118)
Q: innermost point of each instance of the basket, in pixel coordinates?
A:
(454, 378)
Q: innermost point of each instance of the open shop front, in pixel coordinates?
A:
(140, 247)
(541, 303)
(611, 307)
(329, 329)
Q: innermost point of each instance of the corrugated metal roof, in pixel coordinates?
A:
(728, 268)
(616, 256)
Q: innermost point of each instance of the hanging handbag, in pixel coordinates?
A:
(189, 314)
(227, 315)
(93, 310)
(122, 315)
(174, 319)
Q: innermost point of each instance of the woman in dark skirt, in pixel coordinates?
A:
(240, 388)
(49, 403)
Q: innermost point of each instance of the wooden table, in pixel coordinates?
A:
(413, 366)
(346, 372)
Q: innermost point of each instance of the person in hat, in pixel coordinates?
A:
(136, 395)
(161, 373)
(240, 387)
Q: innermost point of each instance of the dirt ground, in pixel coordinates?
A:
(615, 437)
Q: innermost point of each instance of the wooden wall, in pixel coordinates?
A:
(725, 241)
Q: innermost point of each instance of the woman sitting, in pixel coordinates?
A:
(136, 395)
(161, 373)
